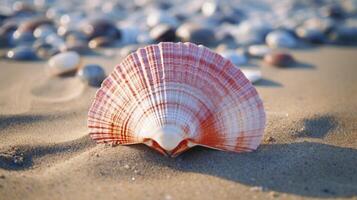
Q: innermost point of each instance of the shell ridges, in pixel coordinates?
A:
(181, 89)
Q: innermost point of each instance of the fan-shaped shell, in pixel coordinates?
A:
(172, 96)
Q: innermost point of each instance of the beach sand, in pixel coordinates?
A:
(309, 148)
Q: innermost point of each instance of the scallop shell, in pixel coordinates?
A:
(173, 96)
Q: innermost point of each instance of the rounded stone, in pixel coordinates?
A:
(43, 31)
(161, 17)
(280, 39)
(192, 32)
(100, 42)
(92, 74)
(163, 33)
(64, 63)
(235, 57)
(279, 59)
(22, 53)
(100, 27)
(259, 51)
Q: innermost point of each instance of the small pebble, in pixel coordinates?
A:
(161, 17)
(126, 167)
(191, 32)
(259, 51)
(2, 176)
(280, 39)
(237, 58)
(279, 59)
(63, 63)
(163, 33)
(101, 27)
(100, 42)
(22, 53)
(92, 74)
(252, 75)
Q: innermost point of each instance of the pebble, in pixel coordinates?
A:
(22, 53)
(251, 32)
(259, 51)
(235, 57)
(279, 59)
(44, 50)
(92, 74)
(2, 176)
(126, 167)
(161, 17)
(280, 39)
(311, 34)
(163, 33)
(252, 75)
(100, 27)
(78, 46)
(101, 41)
(192, 32)
(43, 31)
(63, 63)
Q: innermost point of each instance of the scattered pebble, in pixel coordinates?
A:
(192, 32)
(252, 75)
(126, 167)
(163, 33)
(64, 63)
(279, 59)
(280, 39)
(259, 51)
(22, 53)
(237, 58)
(92, 74)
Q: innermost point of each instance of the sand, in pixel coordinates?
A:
(309, 151)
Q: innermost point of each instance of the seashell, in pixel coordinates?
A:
(173, 96)
(192, 32)
(163, 33)
(22, 53)
(280, 39)
(235, 57)
(279, 59)
(259, 51)
(92, 74)
(252, 75)
(64, 63)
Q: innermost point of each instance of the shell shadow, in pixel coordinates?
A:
(10, 120)
(306, 169)
(21, 157)
(302, 65)
(267, 83)
(317, 126)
